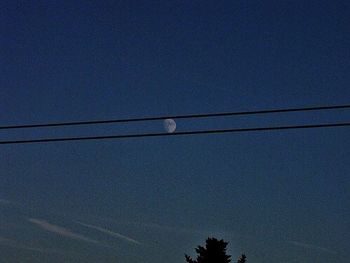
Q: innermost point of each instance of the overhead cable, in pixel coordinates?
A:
(208, 115)
(143, 135)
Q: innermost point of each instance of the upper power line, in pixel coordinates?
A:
(208, 115)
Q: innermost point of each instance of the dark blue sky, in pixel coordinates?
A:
(277, 196)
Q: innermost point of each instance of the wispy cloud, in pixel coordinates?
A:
(163, 228)
(111, 233)
(171, 228)
(5, 202)
(62, 231)
(310, 246)
(11, 243)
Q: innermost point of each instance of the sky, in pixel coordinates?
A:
(278, 196)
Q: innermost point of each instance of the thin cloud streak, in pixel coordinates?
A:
(111, 233)
(154, 226)
(171, 228)
(62, 231)
(5, 202)
(309, 246)
(11, 243)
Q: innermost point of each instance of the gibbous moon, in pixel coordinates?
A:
(169, 125)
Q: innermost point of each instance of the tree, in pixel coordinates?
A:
(242, 259)
(213, 252)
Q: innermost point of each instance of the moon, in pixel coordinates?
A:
(169, 125)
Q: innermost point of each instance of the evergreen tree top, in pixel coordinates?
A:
(213, 252)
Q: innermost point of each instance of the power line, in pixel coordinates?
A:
(237, 130)
(224, 114)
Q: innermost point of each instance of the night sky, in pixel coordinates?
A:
(280, 196)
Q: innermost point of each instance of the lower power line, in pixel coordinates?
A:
(143, 135)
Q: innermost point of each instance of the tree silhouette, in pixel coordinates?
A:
(213, 252)
(242, 259)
